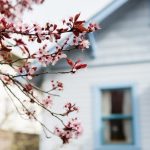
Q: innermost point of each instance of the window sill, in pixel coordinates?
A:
(118, 147)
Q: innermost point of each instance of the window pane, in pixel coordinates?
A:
(117, 131)
(116, 101)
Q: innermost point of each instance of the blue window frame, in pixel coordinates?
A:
(104, 120)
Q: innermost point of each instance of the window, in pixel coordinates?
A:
(116, 118)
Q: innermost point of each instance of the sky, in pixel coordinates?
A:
(56, 10)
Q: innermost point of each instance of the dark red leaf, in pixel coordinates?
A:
(80, 66)
(80, 28)
(79, 22)
(76, 17)
(55, 26)
(39, 40)
(76, 33)
(70, 62)
(57, 36)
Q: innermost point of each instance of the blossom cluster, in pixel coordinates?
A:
(28, 88)
(41, 34)
(72, 129)
(69, 107)
(11, 8)
(45, 58)
(57, 85)
(16, 37)
(27, 70)
(47, 102)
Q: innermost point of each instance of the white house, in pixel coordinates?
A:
(114, 92)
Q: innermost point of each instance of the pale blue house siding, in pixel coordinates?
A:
(120, 56)
(124, 42)
(126, 39)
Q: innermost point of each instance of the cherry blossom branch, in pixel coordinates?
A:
(27, 111)
(15, 37)
(34, 99)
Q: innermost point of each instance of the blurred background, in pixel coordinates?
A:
(113, 93)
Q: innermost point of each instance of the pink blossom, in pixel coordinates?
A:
(6, 79)
(30, 114)
(69, 107)
(45, 58)
(57, 85)
(80, 42)
(47, 102)
(28, 88)
(72, 129)
(84, 44)
(27, 70)
(93, 27)
(57, 56)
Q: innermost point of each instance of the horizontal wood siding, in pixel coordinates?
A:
(127, 38)
(78, 88)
